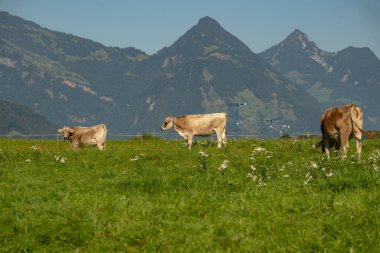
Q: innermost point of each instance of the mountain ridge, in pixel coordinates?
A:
(20, 120)
(207, 69)
(350, 75)
(216, 66)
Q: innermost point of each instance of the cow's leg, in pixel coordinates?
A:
(186, 138)
(100, 146)
(190, 140)
(224, 140)
(337, 145)
(358, 139)
(358, 147)
(74, 145)
(344, 142)
(326, 144)
(184, 135)
(220, 140)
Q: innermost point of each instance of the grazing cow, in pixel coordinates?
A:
(198, 125)
(339, 125)
(85, 136)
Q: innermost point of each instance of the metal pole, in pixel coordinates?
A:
(237, 118)
(237, 121)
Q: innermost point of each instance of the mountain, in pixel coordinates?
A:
(76, 81)
(210, 70)
(68, 79)
(351, 75)
(18, 119)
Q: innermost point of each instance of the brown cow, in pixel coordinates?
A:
(339, 125)
(198, 125)
(85, 136)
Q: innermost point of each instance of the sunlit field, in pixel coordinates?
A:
(157, 196)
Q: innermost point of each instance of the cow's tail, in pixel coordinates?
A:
(104, 135)
(105, 130)
(319, 144)
(356, 115)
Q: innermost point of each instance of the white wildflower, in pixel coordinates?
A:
(259, 149)
(60, 158)
(286, 175)
(253, 177)
(260, 183)
(203, 154)
(34, 147)
(135, 158)
(329, 174)
(252, 173)
(224, 165)
(374, 156)
(28, 160)
(313, 165)
(375, 167)
(308, 180)
(267, 157)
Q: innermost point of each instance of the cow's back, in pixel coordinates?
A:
(204, 124)
(357, 121)
(100, 133)
(91, 135)
(336, 119)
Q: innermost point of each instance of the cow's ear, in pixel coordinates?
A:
(60, 130)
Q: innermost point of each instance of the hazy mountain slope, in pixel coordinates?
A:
(69, 79)
(20, 119)
(351, 75)
(74, 81)
(209, 70)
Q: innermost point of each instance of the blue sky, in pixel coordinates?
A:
(152, 25)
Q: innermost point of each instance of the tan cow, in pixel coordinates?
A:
(198, 125)
(85, 136)
(339, 125)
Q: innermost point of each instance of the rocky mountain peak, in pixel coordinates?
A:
(302, 42)
(208, 22)
(207, 38)
(297, 45)
(298, 36)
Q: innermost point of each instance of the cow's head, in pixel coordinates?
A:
(66, 131)
(168, 123)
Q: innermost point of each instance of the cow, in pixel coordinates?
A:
(198, 125)
(85, 136)
(339, 125)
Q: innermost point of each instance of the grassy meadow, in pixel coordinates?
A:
(157, 196)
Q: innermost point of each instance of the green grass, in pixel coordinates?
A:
(158, 196)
